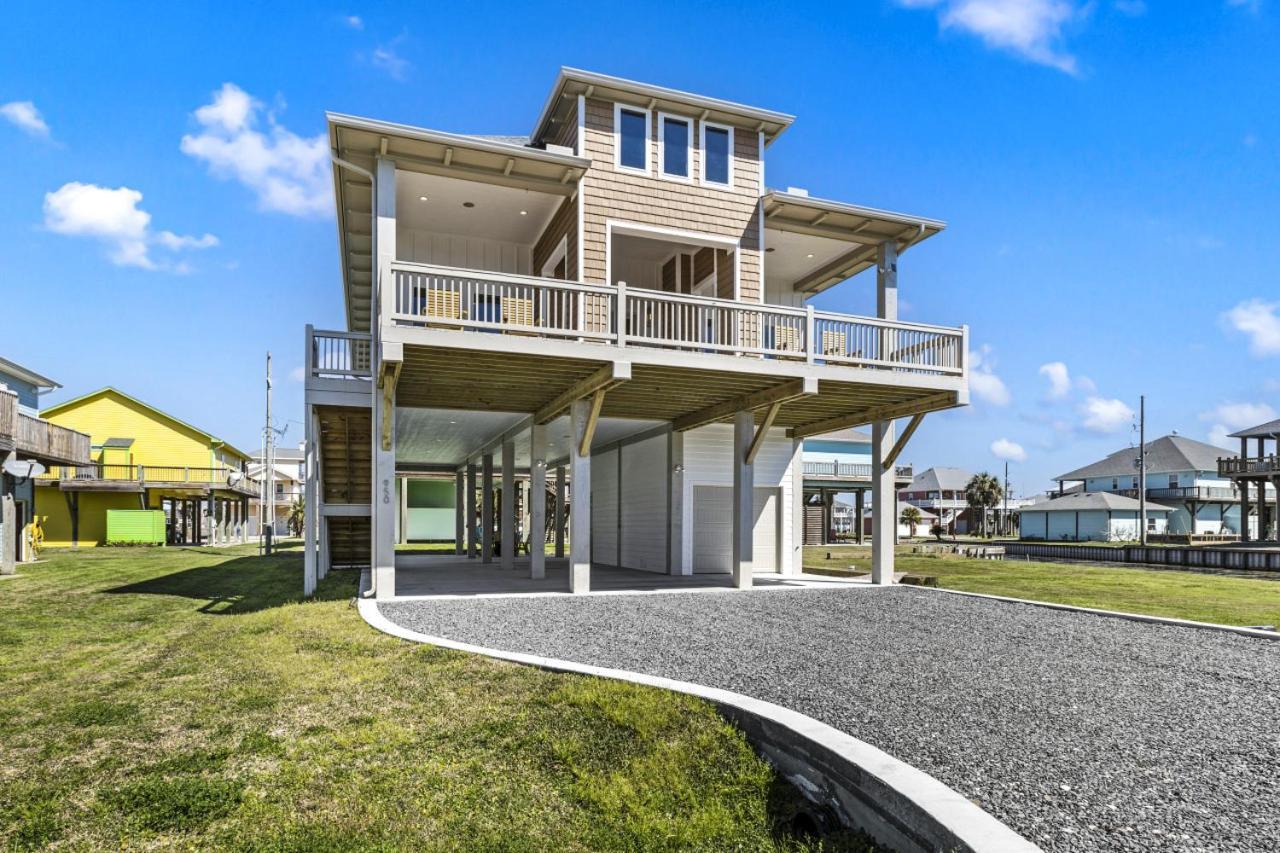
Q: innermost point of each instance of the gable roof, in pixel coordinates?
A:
(19, 372)
(1166, 454)
(940, 480)
(1091, 501)
(1267, 430)
(74, 401)
(852, 436)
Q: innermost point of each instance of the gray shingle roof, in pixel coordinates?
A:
(1266, 430)
(941, 480)
(118, 442)
(1091, 501)
(1164, 455)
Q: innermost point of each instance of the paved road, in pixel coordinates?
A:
(1080, 732)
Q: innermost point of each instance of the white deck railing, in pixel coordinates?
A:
(445, 297)
(848, 470)
(339, 355)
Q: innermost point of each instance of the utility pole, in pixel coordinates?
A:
(1005, 522)
(1142, 471)
(267, 527)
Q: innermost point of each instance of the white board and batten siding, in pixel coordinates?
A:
(708, 483)
(604, 508)
(639, 534)
(469, 253)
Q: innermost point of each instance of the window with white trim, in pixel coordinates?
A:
(675, 136)
(631, 138)
(717, 154)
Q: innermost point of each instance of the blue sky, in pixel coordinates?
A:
(1109, 172)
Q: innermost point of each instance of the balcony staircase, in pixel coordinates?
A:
(346, 477)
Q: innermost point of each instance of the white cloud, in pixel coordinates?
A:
(1260, 322)
(1105, 416)
(355, 22)
(1247, 5)
(1003, 448)
(24, 115)
(1227, 418)
(983, 381)
(114, 217)
(1132, 8)
(298, 374)
(1059, 379)
(1031, 29)
(384, 56)
(287, 172)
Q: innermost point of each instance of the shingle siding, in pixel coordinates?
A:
(650, 200)
(563, 224)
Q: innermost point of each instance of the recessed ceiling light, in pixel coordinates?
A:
(524, 213)
(468, 204)
(422, 198)
(810, 255)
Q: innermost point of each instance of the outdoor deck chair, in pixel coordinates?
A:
(517, 311)
(444, 304)
(835, 343)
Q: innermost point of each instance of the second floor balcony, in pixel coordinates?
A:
(620, 316)
(1249, 466)
(35, 438)
(856, 471)
(138, 478)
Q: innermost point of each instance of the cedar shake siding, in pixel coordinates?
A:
(687, 206)
(564, 223)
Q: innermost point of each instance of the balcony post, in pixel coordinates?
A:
(580, 506)
(810, 346)
(620, 313)
(1244, 493)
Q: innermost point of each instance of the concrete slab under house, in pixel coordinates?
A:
(600, 335)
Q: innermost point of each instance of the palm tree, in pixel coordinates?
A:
(983, 492)
(911, 517)
(297, 516)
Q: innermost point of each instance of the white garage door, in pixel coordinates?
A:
(713, 529)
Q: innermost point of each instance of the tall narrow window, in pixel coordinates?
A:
(717, 145)
(675, 147)
(633, 138)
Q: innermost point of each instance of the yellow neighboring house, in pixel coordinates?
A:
(143, 458)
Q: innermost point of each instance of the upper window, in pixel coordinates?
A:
(677, 140)
(632, 138)
(717, 154)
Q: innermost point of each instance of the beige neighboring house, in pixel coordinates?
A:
(616, 302)
(287, 484)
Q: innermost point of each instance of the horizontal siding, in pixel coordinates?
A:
(157, 441)
(604, 508)
(644, 504)
(708, 461)
(612, 194)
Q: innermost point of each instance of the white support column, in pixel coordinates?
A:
(508, 521)
(385, 506)
(471, 511)
(8, 521)
(310, 572)
(325, 563)
(744, 427)
(486, 508)
(459, 512)
(560, 516)
(675, 505)
(537, 501)
(580, 509)
(884, 497)
(795, 565)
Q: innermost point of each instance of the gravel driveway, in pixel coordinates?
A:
(1080, 732)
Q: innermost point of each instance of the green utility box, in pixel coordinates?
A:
(135, 526)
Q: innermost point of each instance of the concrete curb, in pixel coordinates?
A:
(899, 805)
(1116, 614)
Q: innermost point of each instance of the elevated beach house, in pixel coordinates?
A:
(838, 464)
(26, 437)
(190, 486)
(1255, 474)
(1182, 475)
(617, 307)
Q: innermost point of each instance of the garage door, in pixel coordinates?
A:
(713, 529)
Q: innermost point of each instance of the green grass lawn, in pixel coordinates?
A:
(181, 698)
(1186, 595)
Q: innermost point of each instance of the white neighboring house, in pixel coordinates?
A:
(1089, 517)
(287, 483)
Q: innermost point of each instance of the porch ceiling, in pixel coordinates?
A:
(443, 378)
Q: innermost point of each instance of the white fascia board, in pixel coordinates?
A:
(781, 197)
(422, 134)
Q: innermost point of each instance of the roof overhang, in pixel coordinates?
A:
(571, 82)
(1271, 429)
(864, 228)
(19, 372)
(361, 141)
